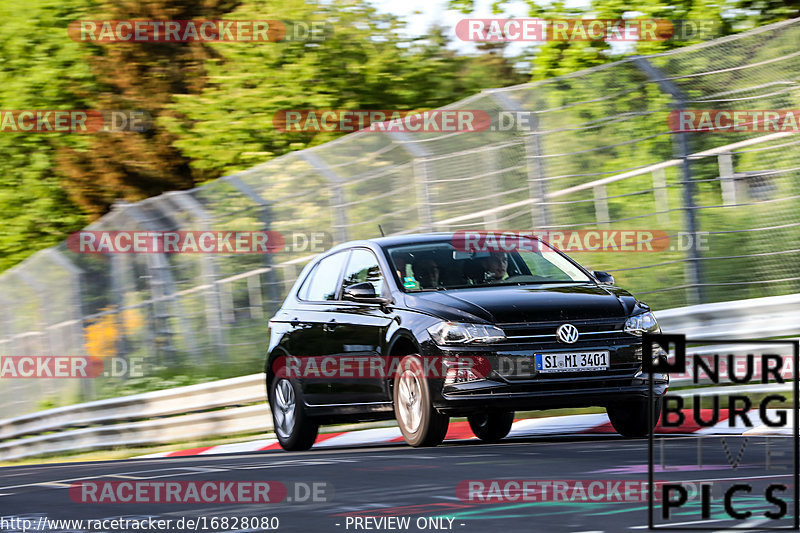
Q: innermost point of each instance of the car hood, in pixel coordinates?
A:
(530, 303)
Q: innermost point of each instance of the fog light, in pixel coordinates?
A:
(459, 371)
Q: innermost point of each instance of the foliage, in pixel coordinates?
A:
(136, 76)
(364, 64)
(41, 69)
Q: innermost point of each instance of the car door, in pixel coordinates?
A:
(356, 334)
(309, 337)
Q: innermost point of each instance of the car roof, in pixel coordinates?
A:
(414, 238)
(398, 240)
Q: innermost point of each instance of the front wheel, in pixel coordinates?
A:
(630, 418)
(294, 429)
(491, 426)
(420, 423)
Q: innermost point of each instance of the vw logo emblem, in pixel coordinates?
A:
(567, 333)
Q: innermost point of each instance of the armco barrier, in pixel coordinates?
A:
(224, 393)
(238, 405)
(225, 407)
(757, 318)
(183, 428)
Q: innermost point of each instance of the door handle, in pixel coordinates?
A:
(330, 326)
(294, 322)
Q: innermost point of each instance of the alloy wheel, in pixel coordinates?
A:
(410, 406)
(284, 408)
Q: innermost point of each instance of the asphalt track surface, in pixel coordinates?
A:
(419, 484)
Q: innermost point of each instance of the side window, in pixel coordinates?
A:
(303, 292)
(363, 266)
(321, 283)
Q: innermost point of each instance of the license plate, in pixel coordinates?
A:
(572, 362)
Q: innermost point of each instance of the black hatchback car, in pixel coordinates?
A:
(422, 328)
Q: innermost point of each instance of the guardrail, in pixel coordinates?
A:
(757, 318)
(239, 405)
(225, 407)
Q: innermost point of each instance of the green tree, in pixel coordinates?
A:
(41, 69)
(760, 12)
(364, 64)
(136, 165)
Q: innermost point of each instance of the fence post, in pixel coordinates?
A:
(421, 177)
(661, 195)
(537, 185)
(76, 286)
(44, 307)
(419, 166)
(120, 269)
(77, 282)
(533, 149)
(160, 282)
(254, 297)
(266, 218)
(209, 269)
(727, 180)
(6, 333)
(600, 203)
(681, 150)
(337, 198)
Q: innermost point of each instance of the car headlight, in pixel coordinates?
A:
(642, 323)
(456, 333)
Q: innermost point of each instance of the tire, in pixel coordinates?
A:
(630, 418)
(491, 426)
(420, 424)
(295, 430)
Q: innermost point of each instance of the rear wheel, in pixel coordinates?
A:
(491, 426)
(420, 423)
(293, 427)
(630, 418)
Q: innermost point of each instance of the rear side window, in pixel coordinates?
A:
(321, 283)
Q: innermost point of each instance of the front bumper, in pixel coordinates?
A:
(623, 382)
(464, 398)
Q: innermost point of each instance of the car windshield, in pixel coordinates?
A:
(443, 265)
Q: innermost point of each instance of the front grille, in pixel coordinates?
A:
(543, 333)
(524, 340)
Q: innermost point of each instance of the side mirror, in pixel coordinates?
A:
(363, 292)
(603, 277)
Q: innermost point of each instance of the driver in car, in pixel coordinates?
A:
(426, 271)
(495, 267)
